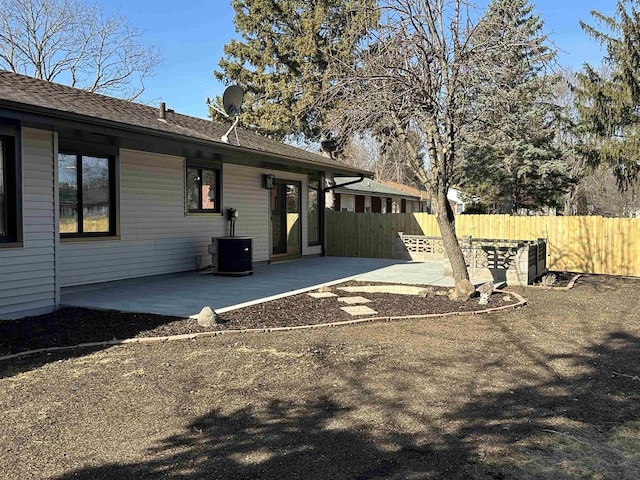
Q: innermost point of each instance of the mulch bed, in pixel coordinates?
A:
(74, 326)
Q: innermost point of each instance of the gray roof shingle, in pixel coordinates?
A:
(372, 187)
(61, 99)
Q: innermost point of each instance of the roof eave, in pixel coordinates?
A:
(351, 191)
(87, 119)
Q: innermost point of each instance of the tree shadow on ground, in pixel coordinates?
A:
(565, 427)
(607, 283)
(551, 425)
(281, 441)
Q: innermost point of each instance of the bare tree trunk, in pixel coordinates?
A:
(446, 221)
(570, 207)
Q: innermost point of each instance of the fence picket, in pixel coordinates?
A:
(588, 244)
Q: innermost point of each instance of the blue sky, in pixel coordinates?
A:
(191, 35)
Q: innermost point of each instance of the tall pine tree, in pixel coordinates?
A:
(282, 59)
(609, 99)
(509, 154)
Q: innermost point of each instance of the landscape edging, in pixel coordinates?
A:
(193, 336)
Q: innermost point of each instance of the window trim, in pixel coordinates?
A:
(13, 186)
(202, 165)
(113, 205)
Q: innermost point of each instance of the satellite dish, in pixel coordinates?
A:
(232, 100)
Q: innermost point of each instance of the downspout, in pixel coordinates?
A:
(56, 222)
(325, 190)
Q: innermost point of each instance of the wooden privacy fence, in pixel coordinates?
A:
(588, 244)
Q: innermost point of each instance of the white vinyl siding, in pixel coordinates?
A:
(27, 273)
(156, 236)
(242, 190)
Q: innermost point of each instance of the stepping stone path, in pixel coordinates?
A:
(353, 300)
(359, 310)
(355, 310)
(322, 294)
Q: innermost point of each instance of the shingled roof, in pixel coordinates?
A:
(18, 91)
(373, 187)
(406, 188)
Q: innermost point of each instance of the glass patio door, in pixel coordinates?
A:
(286, 223)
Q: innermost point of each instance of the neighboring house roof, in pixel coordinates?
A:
(38, 96)
(422, 194)
(371, 187)
(453, 194)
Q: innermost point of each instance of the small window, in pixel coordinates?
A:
(203, 189)
(10, 230)
(87, 195)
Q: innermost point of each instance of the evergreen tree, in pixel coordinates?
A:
(282, 59)
(568, 137)
(508, 149)
(609, 102)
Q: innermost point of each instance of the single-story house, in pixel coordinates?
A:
(95, 189)
(456, 200)
(424, 202)
(373, 196)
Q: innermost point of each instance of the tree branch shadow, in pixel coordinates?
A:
(283, 440)
(565, 427)
(552, 425)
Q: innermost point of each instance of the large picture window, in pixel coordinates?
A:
(87, 195)
(203, 189)
(9, 214)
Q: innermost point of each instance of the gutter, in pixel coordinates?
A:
(53, 115)
(333, 187)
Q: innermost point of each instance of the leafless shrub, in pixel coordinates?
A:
(484, 298)
(548, 280)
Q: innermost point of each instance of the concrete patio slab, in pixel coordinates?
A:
(185, 294)
(412, 273)
(395, 289)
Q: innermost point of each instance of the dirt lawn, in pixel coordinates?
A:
(548, 391)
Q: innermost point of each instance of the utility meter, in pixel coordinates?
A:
(232, 214)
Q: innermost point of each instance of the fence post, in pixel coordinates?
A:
(398, 244)
(541, 267)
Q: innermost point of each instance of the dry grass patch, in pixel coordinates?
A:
(521, 394)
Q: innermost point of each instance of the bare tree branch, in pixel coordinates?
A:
(72, 42)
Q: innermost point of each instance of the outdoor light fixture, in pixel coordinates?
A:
(268, 181)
